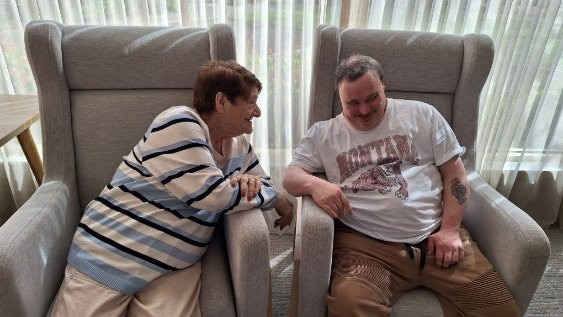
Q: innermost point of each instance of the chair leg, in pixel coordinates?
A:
(30, 150)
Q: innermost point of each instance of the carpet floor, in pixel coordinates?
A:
(547, 301)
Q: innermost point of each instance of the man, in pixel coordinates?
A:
(398, 191)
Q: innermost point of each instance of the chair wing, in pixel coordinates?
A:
(449, 72)
(99, 87)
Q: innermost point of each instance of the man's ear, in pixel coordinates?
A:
(220, 100)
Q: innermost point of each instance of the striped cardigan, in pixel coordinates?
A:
(161, 207)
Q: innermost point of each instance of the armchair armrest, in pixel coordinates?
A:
(514, 243)
(312, 258)
(248, 246)
(34, 244)
(216, 296)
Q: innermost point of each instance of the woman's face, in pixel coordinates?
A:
(243, 111)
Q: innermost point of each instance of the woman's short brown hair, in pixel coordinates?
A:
(227, 77)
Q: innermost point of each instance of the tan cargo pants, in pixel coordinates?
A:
(369, 276)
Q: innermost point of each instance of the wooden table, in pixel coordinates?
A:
(17, 114)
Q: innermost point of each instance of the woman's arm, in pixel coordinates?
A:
(177, 154)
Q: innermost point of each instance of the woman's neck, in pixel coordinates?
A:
(214, 126)
(217, 145)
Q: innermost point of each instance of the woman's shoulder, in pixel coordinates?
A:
(179, 114)
(176, 116)
(179, 111)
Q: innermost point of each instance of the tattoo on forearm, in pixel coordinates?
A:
(459, 191)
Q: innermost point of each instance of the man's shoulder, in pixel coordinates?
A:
(325, 128)
(410, 102)
(326, 124)
(415, 107)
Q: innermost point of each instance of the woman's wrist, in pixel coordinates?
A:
(283, 202)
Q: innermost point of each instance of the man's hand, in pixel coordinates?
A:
(284, 208)
(250, 185)
(447, 246)
(326, 195)
(330, 198)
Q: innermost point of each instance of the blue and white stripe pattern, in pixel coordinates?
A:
(159, 211)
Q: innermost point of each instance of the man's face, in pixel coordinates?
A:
(363, 101)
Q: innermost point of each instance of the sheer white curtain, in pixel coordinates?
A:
(520, 145)
(521, 140)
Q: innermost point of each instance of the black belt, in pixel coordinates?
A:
(422, 247)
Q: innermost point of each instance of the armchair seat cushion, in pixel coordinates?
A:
(419, 302)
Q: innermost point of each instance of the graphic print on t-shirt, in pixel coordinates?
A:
(381, 161)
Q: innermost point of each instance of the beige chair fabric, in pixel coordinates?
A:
(447, 71)
(99, 87)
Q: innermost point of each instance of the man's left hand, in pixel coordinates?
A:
(447, 246)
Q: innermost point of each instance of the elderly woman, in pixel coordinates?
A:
(138, 247)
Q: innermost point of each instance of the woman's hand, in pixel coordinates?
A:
(250, 185)
(284, 208)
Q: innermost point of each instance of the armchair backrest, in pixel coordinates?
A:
(446, 71)
(100, 87)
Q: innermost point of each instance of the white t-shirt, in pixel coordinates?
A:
(389, 173)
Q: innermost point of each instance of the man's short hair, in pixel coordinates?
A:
(355, 66)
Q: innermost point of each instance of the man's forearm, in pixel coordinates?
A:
(298, 182)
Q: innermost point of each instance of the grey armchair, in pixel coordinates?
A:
(449, 72)
(99, 87)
